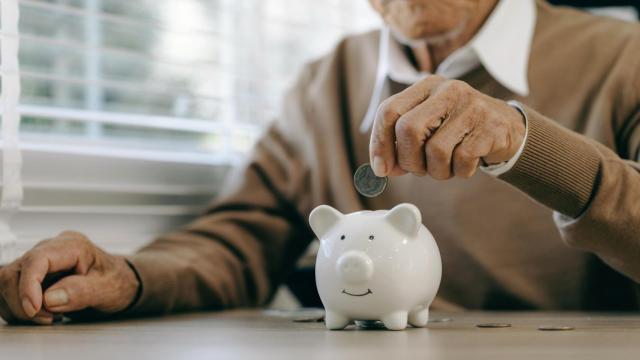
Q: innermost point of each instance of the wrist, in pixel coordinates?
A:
(520, 129)
(131, 286)
(516, 128)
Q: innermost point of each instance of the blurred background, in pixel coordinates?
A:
(132, 111)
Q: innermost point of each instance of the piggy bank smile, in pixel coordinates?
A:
(344, 291)
(375, 265)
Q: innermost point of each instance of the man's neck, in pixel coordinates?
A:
(427, 58)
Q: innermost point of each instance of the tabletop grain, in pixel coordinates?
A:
(262, 335)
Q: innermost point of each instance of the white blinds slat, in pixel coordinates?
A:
(150, 121)
(111, 151)
(114, 232)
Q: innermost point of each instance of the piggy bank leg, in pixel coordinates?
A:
(396, 320)
(419, 317)
(335, 321)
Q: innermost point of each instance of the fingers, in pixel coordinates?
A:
(382, 147)
(435, 139)
(427, 135)
(67, 252)
(72, 293)
(440, 147)
(5, 311)
(414, 129)
(468, 153)
(34, 269)
(43, 317)
(10, 307)
(108, 288)
(84, 277)
(443, 128)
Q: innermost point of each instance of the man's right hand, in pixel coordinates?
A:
(96, 280)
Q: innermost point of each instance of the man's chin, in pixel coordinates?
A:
(426, 40)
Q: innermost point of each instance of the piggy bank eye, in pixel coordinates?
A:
(371, 237)
(342, 237)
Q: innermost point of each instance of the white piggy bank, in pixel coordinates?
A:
(375, 265)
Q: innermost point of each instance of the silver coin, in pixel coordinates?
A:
(555, 328)
(367, 183)
(307, 315)
(370, 324)
(441, 320)
(298, 315)
(493, 325)
(308, 319)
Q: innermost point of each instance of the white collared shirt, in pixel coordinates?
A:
(501, 45)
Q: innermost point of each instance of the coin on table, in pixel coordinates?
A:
(555, 328)
(298, 315)
(367, 183)
(307, 315)
(308, 319)
(441, 320)
(370, 324)
(493, 325)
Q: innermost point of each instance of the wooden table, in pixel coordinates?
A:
(256, 335)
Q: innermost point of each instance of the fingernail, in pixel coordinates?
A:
(379, 167)
(56, 298)
(28, 307)
(43, 320)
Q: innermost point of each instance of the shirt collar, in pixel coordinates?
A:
(502, 46)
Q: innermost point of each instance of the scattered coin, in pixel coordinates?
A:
(440, 320)
(493, 325)
(367, 183)
(298, 315)
(309, 319)
(308, 315)
(370, 324)
(555, 328)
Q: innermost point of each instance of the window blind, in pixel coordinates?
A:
(11, 159)
(132, 112)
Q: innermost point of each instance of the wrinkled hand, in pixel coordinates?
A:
(443, 128)
(94, 280)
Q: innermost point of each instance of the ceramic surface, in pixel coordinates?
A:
(375, 265)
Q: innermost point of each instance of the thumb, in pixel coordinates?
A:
(71, 293)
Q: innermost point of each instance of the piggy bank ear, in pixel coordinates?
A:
(323, 218)
(406, 218)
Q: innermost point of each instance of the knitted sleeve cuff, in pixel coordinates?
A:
(558, 167)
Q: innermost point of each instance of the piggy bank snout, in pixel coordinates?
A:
(355, 267)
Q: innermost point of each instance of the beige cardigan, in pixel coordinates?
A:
(501, 248)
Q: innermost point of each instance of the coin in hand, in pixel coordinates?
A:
(367, 183)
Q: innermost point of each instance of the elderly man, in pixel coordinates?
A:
(544, 100)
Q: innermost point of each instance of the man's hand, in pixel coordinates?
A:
(95, 280)
(443, 128)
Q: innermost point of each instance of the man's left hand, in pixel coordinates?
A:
(443, 128)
